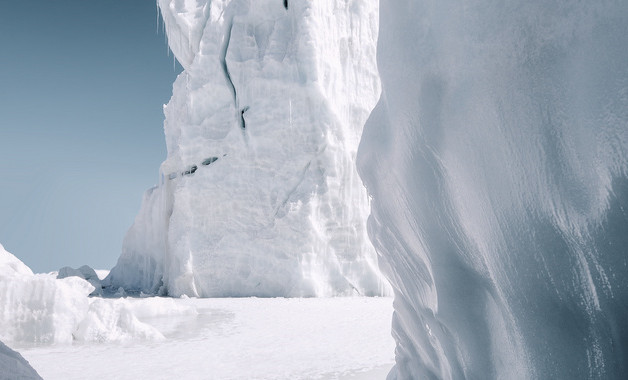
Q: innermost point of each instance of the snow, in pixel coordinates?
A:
(497, 164)
(11, 266)
(52, 321)
(101, 273)
(13, 366)
(41, 309)
(259, 194)
(237, 338)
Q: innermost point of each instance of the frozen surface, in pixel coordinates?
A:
(259, 194)
(65, 334)
(496, 159)
(13, 366)
(237, 338)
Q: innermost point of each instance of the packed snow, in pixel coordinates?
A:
(497, 163)
(259, 194)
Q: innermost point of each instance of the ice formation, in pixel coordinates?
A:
(39, 308)
(259, 194)
(497, 163)
(86, 273)
(14, 367)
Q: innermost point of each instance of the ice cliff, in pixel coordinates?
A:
(259, 194)
(497, 163)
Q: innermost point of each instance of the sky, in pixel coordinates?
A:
(82, 88)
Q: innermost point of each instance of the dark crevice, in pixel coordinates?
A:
(285, 4)
(242, 121)
(190, 170)
(193, 168)
(225, 69)
(210, 160)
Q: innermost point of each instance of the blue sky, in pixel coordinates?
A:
(82, 84)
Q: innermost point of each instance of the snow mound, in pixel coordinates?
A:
(40, 308)
(13, 366)
(113, 321)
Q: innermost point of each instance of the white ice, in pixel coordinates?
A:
(497, 163)
(259, 194)
(41, 309)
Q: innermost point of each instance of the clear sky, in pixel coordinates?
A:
(82, 84)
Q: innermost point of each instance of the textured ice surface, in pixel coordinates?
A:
(497, 164)
(13, 366)
(259, 194)
(41, 309)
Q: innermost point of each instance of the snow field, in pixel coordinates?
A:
(238, 338)
(64, 334)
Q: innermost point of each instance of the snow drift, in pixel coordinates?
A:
(497, 162)
(41, 309)
(259, 194)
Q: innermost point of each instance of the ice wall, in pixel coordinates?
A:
(259, 194)
(13, 366)
(497, 163)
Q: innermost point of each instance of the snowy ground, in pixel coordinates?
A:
(236, 338)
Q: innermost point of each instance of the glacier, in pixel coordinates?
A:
(497, 164)
(259, 194)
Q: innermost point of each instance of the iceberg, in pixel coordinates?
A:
(259, 194)
(497, 164)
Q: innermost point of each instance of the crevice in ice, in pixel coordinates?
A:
(242, 121)
(225, 69)
(285, 4)
(193, 168)
(210, 160)
(190, 170)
